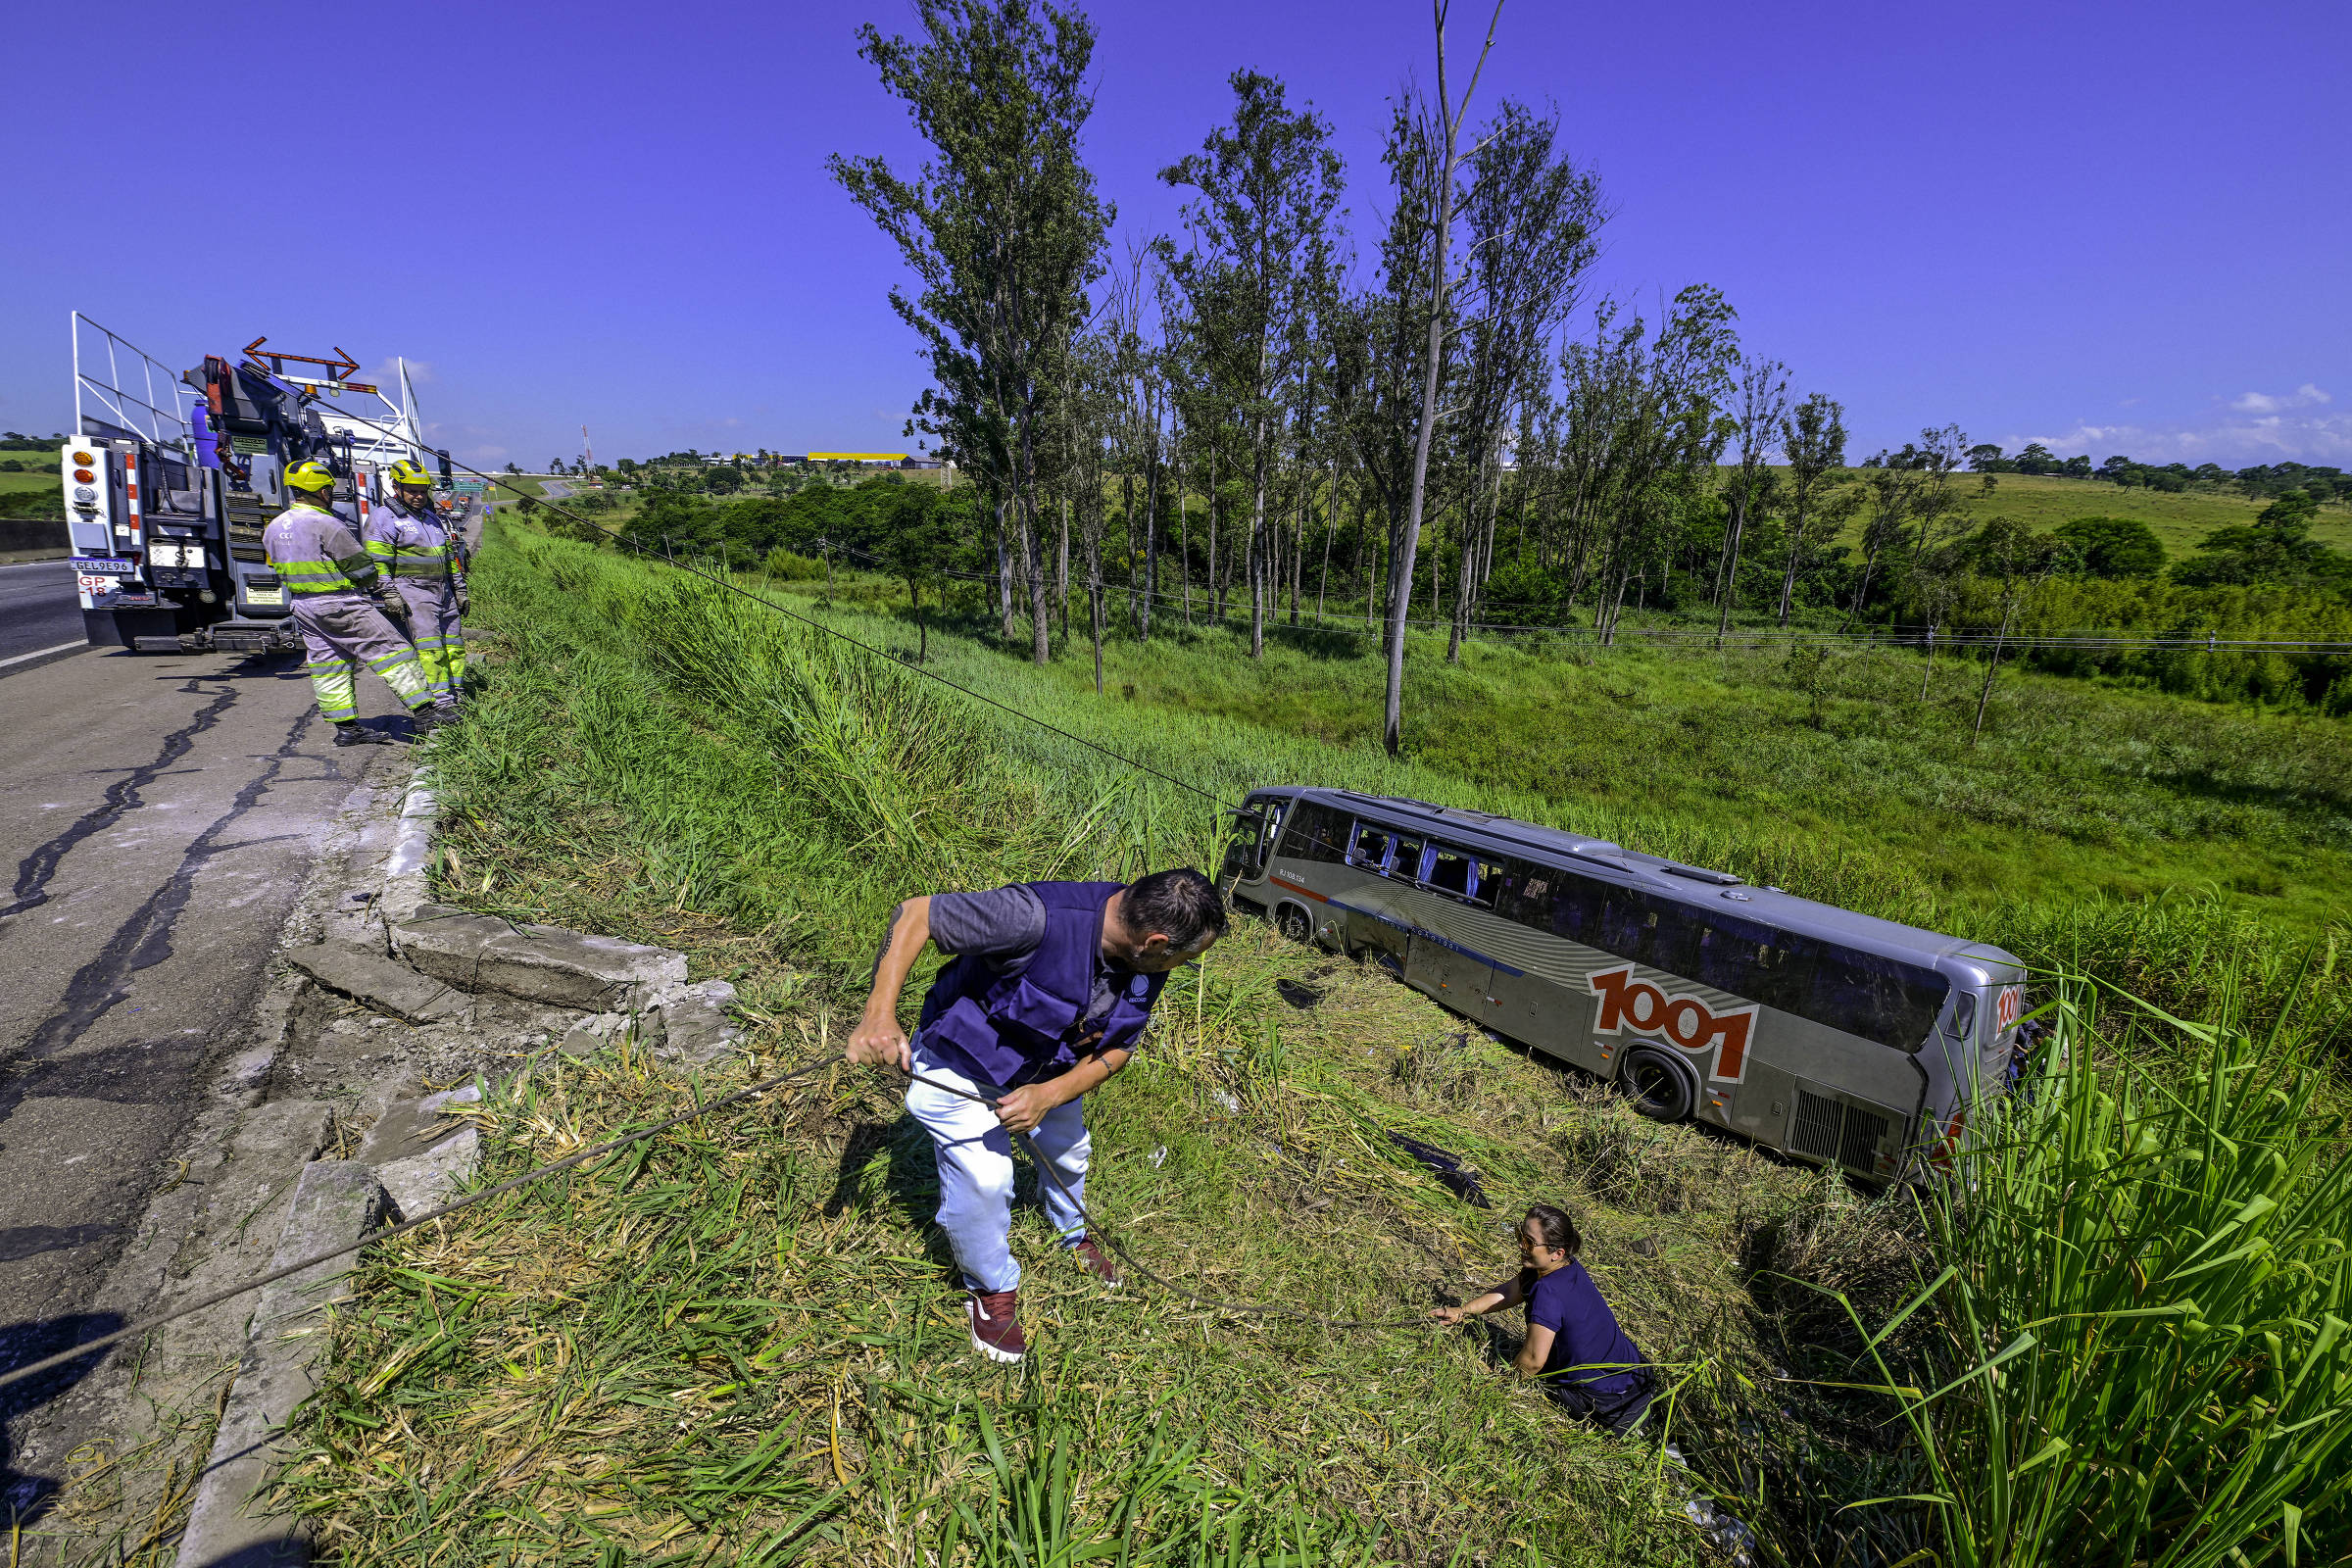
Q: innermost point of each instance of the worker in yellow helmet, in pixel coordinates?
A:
(422, 555)
(343, 608)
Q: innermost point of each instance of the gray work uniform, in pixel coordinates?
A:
(420, 554)
(329, 579)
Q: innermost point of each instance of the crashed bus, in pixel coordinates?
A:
(1834, 1036)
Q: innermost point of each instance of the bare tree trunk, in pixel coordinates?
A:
(1261, 576)
(1331, 521)
(1150, 532)
(1392, 706)
(1003, 571)
(1127, 553)
(1796, 542)
(1298, 543)
(1984, 697)
(1062, 568)
(1184, 543)
(1726, 591)
(1216, 564)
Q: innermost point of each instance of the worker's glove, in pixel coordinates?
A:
(464, 600)
(393, 608)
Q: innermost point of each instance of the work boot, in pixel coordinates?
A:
(996, 1325)
(1094, 1260)
(349, 733)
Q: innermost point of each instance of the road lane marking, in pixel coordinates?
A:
(43, 652)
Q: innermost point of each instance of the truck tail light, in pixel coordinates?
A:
(85, 458)
(83, 476)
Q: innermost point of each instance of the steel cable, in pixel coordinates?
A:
(854, 642)
(388, 1232)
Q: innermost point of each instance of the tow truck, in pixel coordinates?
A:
(170, 478)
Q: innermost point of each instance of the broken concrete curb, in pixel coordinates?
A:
(337, 1201)
(410, 863)
(379, 982)
(542, 963)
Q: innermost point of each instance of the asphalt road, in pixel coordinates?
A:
(38, 608)
(159, 813)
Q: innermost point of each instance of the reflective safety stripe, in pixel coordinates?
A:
(314, 577)
(412, 561)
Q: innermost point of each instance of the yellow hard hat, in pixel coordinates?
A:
(406, 471)
(310, 475)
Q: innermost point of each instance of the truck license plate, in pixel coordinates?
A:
(100, 565)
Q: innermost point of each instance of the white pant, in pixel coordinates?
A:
(975, 1174)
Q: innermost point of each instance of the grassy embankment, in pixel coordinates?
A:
(2179, 519)
(748, 1331)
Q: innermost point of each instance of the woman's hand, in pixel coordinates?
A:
(1023, 1109)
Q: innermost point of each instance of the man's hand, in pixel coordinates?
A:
(1447, 1315)
(879, 1041)
(1022, 1109)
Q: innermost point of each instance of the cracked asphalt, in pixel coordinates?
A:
(158, 815)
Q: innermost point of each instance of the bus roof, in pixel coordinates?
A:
(1476, 829)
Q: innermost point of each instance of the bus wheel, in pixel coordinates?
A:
(1660, 1089)
(1293, 922)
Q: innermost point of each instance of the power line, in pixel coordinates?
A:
(880, 653)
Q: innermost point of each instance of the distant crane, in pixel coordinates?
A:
(587, 452)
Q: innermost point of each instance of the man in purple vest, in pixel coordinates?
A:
(1047, 995)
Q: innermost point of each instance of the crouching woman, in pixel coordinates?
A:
(1574, 1346)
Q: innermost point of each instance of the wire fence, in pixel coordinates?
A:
(1925, 637)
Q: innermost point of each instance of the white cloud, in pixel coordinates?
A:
(2291, 427)
(2302, 397)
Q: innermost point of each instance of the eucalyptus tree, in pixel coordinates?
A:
(1813, 439)
(1762, 404)
(1532, 220)
(1267, 186)
(1645, 429)
(1003, 228)
(1432, 173)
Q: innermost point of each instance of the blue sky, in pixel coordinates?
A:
(2112, 227)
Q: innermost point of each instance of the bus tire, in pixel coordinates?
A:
(1662, 1088)
(1291, 921)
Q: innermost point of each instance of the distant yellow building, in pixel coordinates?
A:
(858, 457)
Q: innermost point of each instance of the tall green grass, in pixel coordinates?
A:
(1932, 847)
(740, 1343)
(2145, 1296)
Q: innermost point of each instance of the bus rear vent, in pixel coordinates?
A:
(1825, 1129)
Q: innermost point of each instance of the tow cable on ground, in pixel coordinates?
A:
(387, 1233)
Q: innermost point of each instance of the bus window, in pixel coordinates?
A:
(1449, 872)
(1370, 852)
(1486, 882)
(1317, 833)
(1405, 864)
(1576, 909)
(1964, 1016)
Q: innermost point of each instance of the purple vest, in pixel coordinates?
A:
(1012, 1029)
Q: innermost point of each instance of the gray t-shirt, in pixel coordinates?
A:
(1005, 925)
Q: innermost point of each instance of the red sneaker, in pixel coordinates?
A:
(996, 1325)
(1094, 1260)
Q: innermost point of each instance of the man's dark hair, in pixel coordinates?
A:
(1556, 1229)
(1180, 902)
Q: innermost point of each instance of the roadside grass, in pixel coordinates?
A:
(741, 1342)
(2145, 1293)
(2151, 840)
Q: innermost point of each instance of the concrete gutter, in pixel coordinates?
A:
(410, 863)
(337, 1201)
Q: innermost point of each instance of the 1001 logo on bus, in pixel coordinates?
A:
(1686, 1021)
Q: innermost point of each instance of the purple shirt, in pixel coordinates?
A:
(1585, 1332)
